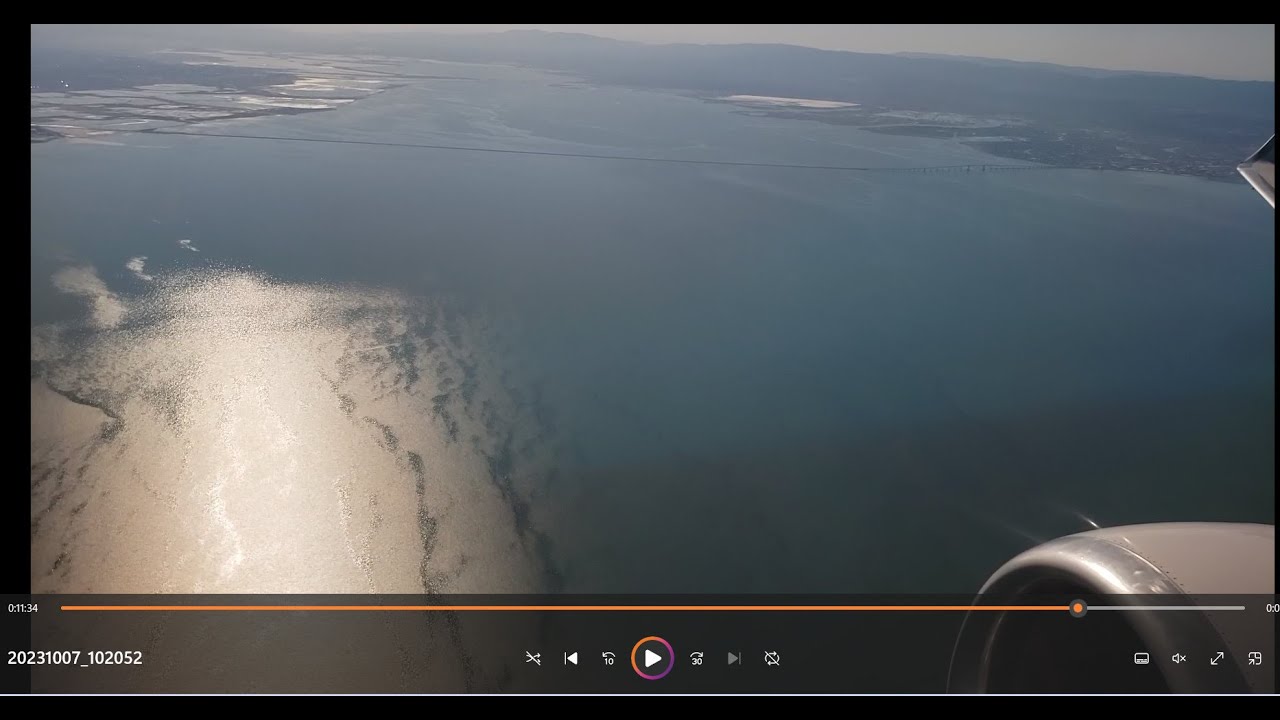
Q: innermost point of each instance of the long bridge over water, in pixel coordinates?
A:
(968, 168)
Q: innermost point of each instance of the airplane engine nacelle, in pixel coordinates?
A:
(1174, 559)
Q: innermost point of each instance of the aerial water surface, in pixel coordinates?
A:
(273, 366)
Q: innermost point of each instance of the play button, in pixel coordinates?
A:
(652, 657)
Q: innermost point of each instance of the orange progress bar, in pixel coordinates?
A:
(567, 608)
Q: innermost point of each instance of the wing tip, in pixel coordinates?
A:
(1260, 171)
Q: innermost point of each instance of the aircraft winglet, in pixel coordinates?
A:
(1260, 171)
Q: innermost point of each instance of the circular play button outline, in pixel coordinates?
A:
(671, 658)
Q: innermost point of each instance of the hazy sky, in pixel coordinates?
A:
(1240, 52)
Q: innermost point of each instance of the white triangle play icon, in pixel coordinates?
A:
(651, 657)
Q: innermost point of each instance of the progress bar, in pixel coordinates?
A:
(564, 608)
(1165, 607)
(1077, 608)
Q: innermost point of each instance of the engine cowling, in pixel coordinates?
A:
(1125, 561)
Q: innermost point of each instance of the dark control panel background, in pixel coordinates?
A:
(298, 644)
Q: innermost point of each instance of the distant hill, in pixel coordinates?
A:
(1070, 69)
(1128, 101)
